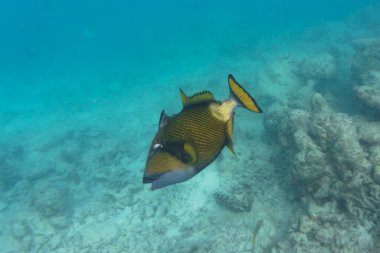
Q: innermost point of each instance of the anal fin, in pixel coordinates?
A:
(230, 126)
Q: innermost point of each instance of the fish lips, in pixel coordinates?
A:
(169, 178)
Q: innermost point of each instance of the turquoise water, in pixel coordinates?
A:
(82, 85)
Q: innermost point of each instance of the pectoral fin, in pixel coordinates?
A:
(189, 150)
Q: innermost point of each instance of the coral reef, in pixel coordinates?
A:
(319, 67)
(334, 160)
(366, 62)
(333, 167)
(366, 72)
(369, 95)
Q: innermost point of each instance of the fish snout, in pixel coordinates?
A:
(163, 169)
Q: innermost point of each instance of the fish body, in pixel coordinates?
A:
(189, 141)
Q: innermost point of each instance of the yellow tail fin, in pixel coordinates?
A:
(243, 98)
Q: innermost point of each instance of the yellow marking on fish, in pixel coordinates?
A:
(189, 150)
(163, 162)
(230, 125)
(223, 111)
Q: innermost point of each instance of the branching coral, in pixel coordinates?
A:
(366, 72)
(334, 173)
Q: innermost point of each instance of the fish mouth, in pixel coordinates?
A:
(169, 178)
(149, 179)
(160, 162)
(163, 169)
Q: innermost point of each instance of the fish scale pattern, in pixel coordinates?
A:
(198, 127)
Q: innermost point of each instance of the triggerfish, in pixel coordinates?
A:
(189, 141)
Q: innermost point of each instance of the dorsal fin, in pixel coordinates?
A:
(230, 126)
(198, 98)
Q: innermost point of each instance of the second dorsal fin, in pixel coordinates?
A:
(198, 98)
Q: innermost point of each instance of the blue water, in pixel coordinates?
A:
(82, 85)
(72, 39)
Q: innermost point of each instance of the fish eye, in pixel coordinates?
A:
(157, 146)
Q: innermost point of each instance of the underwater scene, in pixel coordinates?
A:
(190, 126)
